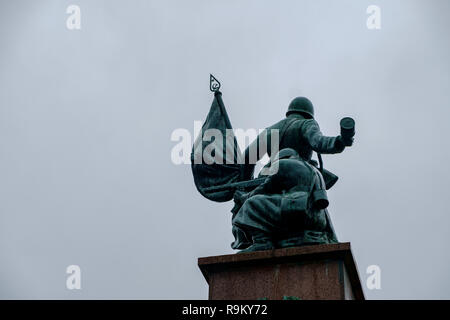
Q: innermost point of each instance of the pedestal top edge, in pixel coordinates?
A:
(318, 249)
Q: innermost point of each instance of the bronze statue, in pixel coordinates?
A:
(287, 206)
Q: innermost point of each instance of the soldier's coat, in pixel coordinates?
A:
(265, 210)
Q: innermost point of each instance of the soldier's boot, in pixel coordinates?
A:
(260, 242)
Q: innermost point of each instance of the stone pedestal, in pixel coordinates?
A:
(310, 272)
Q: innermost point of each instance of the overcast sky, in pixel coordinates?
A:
(86, 117)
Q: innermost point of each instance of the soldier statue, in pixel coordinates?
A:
(279, 210)
(287, 206)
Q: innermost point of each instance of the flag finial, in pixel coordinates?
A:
(214, 84)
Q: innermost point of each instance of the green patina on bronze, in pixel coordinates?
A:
(288, 207)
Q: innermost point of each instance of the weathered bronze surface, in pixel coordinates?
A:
(288, 206)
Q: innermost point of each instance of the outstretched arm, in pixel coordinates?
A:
(319, 142)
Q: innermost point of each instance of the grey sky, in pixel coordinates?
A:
(86, 116)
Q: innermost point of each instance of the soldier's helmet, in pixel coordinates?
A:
(301, 105)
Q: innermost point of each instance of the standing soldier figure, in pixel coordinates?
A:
(282, 211)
